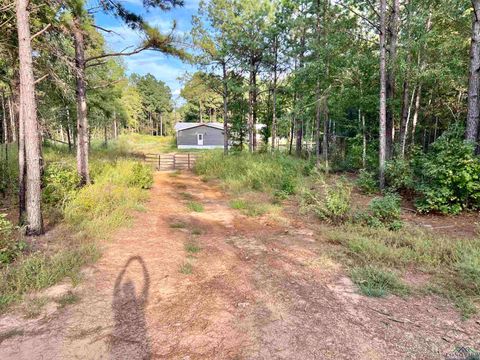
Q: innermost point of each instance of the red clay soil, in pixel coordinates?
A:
(257, 289)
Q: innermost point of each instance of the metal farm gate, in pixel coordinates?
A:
(165, 162)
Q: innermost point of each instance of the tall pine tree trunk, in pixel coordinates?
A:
(326, 131)
(28, 119)
(250, 106)
(383, 95)
(225, 107)
(393, 37)
(473, 111)
(274, 95)
(82, 121)
(318, 122)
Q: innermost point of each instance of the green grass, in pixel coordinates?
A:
(376, 282)
(186, 268)
(243, 171)
(38, 271)
(148, 144)
(195, 206)
(250, 208)
(192, 248)
(452, 264)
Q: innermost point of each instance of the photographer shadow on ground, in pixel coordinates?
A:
(129, 338)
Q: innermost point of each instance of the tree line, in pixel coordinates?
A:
(375, 78)
(59, 80)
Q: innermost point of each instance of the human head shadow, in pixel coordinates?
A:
(130, 340)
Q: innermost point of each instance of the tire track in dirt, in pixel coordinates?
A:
(256, 292)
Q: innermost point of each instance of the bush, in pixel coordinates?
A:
(448, 176)
(60, 184)
(386, 209)
(333, 205)
(399, 175)
(366, 182)
(10, 247)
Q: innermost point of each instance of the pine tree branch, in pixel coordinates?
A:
(121, 53)
(40, 79)
(40, 32)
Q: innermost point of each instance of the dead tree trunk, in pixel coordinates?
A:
(405, 114)
(82, 121)
(383, 96)
(473, 110)
(28, 119)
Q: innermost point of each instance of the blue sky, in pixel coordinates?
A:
(165, 68)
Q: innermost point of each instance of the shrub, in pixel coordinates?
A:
(10, 247)
(366, 182)
(60, 184)
(142, 176)
(333, 205)
(399, 175)
(448, 176)
(386, 209)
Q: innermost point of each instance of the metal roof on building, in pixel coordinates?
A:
(188, 125)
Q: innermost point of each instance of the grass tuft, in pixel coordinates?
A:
(195, 206)
(376, 282)
(251, 208)
(192, 248)
(196, 231)
(178, 225)
(186, 268)
(68, 299)
(33, 308)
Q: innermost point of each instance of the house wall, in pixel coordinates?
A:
(211, 136)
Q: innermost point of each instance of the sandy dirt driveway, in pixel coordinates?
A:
(180, 284)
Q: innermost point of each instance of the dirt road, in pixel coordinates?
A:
(179, 284)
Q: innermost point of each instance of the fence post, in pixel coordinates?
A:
(188, 161)
(159, 162)
(174, 161)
